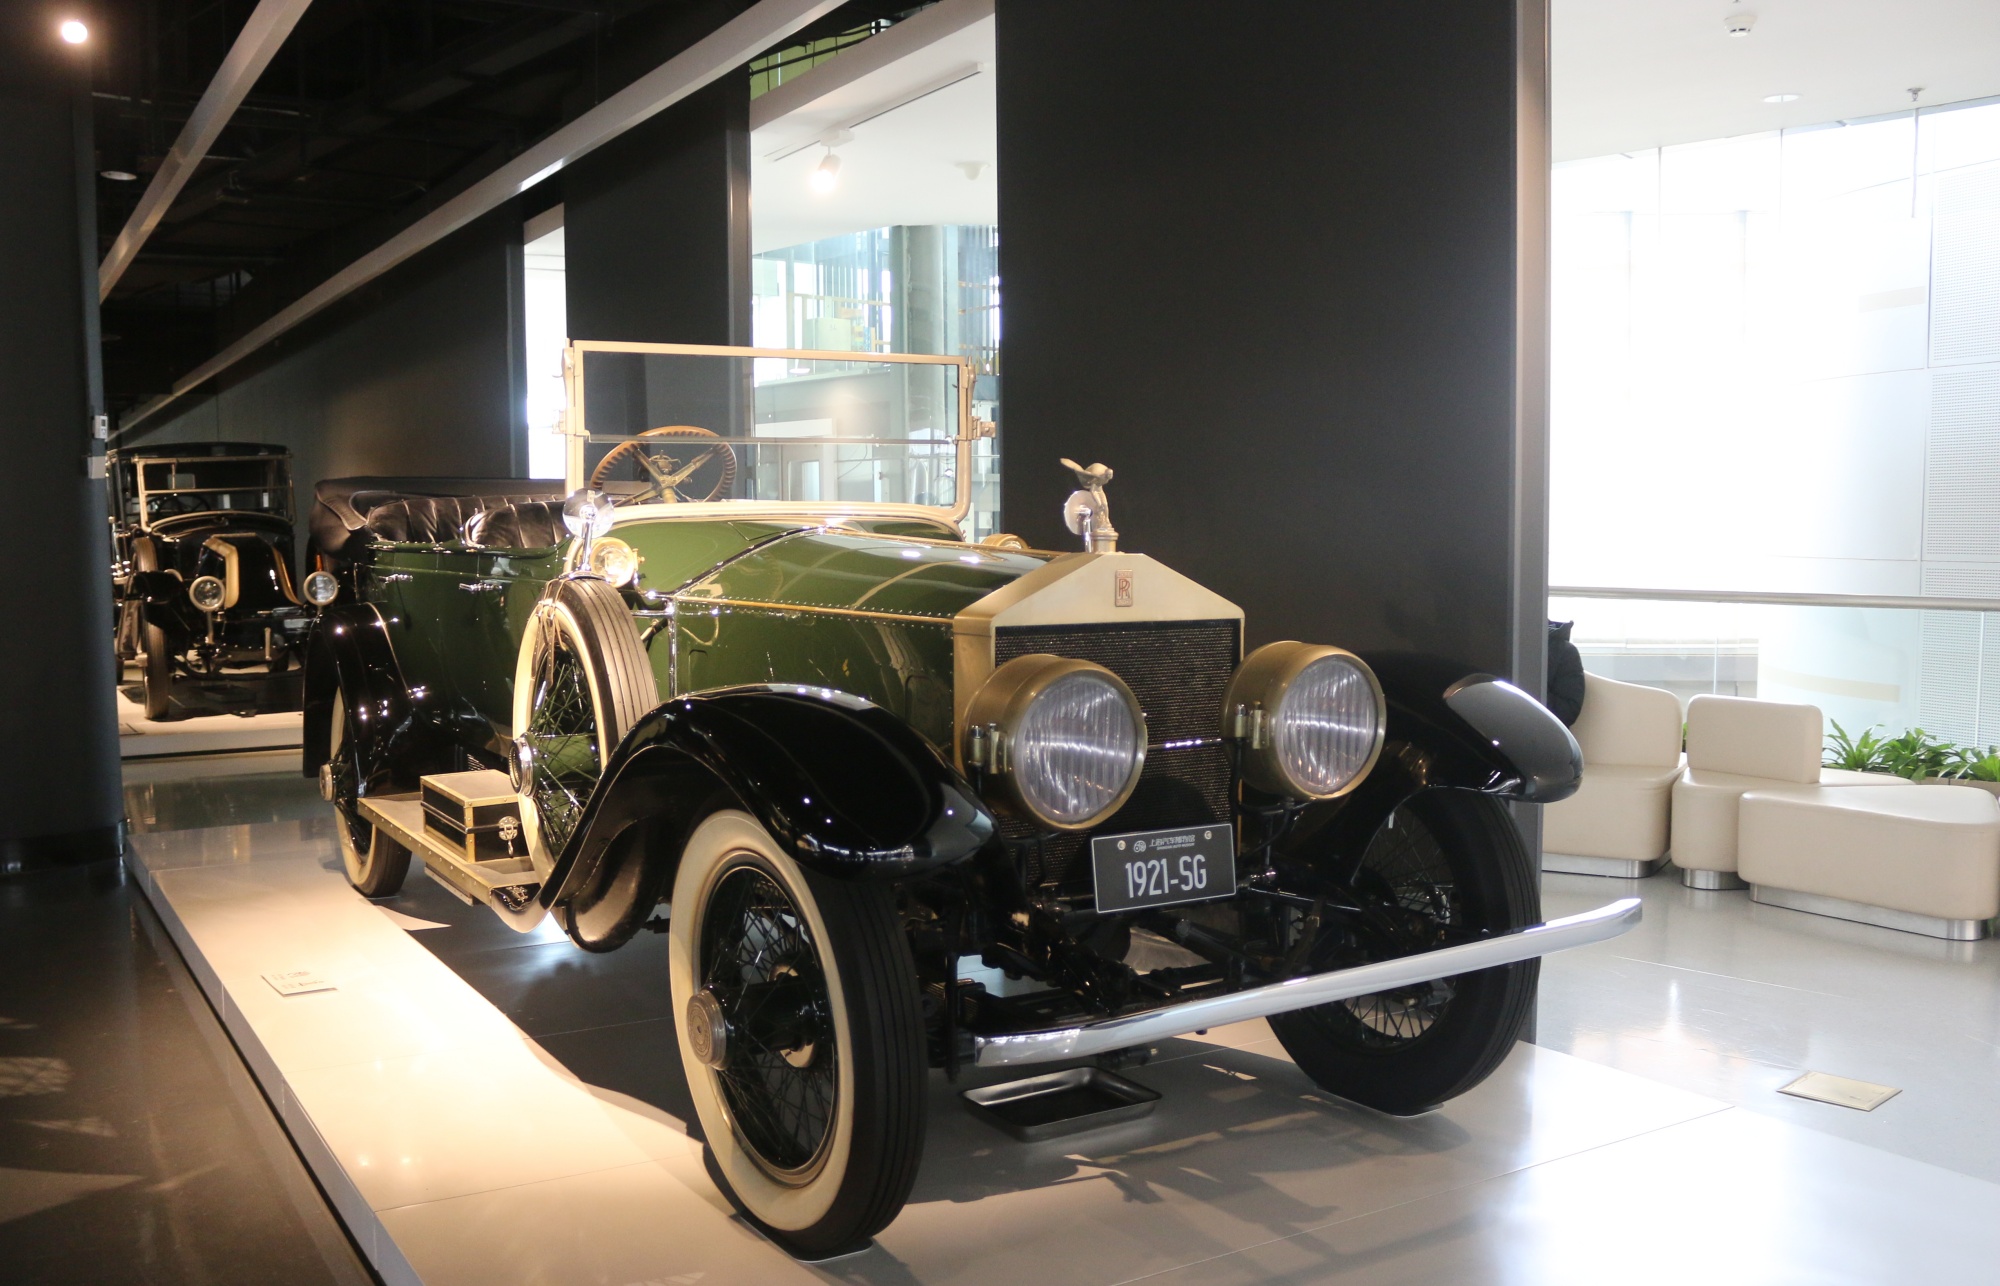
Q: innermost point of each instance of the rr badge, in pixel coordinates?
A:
(1121, 588)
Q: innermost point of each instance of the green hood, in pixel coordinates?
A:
(854, 572)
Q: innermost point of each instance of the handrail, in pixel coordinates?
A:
(1919, 602)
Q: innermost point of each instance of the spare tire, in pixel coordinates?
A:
(581, 681)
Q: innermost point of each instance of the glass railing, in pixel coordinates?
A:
(1889, 662)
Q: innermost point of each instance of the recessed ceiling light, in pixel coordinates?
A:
(73, 32)
(118, 176)
(1781, 98)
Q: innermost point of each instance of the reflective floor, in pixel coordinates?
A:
(1719, 995)
(245, 710)
(1652, 1097)
(134, 1146)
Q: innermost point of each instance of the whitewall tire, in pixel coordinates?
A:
(376, 865)
(801, 1035)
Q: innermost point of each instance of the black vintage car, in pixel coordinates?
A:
(202, 562)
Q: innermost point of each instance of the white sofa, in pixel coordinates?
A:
(1921, 860)
(1616, 823)
(1734, 746)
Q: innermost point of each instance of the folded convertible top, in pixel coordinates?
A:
(342, 506)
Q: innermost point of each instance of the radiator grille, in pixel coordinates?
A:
(1179, 671)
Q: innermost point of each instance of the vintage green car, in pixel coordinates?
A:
(903, 800)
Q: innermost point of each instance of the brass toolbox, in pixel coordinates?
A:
(475, 812)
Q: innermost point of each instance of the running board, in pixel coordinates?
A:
(471, 882)
(1302, 993)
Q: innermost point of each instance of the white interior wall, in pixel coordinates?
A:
(1777, 368)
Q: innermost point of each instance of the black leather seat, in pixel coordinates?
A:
(527, 524)
(423, 520)
(349, 512)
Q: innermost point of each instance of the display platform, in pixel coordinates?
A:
(459, 1149)
(238, 712)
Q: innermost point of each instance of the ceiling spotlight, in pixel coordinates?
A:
(1738, 23)
(826, 175)
(1781, 98)
(73, 32)
(118, 176)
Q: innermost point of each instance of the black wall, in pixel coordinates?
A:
(1264, 264)
(59, 780)
(415, 374)
(656, 226)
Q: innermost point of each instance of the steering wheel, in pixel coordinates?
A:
(673, 464)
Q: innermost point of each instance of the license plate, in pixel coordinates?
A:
(1162, 868)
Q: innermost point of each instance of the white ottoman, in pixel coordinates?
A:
(1705, 817)
(1923, 860)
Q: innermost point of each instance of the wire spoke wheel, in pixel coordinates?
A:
(581, 680)
(801, 1034)
(562, 734)
(759, 961)
(1408, 878)
(376, 864)
(1447, 866)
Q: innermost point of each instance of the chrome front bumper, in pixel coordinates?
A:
(1302, 993)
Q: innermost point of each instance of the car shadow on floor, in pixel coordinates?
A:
(1234, 1129)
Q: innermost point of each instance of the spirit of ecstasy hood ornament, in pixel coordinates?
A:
(1087, 512)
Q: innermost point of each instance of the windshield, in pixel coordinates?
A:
(151, 488)
(657, 424)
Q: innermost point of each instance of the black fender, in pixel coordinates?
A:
(847, 788)
(1455, 728)
(163, 602)
(1449, 727)
(396, 740)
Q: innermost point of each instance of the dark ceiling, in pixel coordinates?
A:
(373, 112)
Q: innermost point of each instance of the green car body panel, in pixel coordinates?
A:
(718, 603)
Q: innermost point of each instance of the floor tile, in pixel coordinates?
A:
(1242, 1149)
(1721, 996)
(612, 1226)
(467, 1119)
(1731, 1199)
(152, 1157)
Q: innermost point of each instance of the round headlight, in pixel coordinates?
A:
(1311, 719)
(207, 593)
(321, 588)
(1060, 740)
(614, 560)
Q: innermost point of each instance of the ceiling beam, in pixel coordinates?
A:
(721, 52)
(260, 38)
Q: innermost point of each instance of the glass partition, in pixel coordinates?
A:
(1885, 664)
(677, 424)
